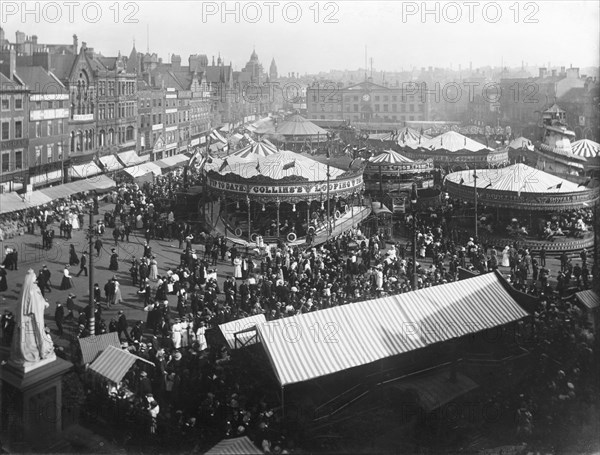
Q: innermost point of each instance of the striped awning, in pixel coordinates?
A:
(82, 171)
(92, 346)
(389, 157)
(111, 163)
(589, 299)
(262, 148)
(114, 363)
(244, 325)
(311, 345)
(235, 446)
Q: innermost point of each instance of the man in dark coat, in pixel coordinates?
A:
(122, 326)
(59, 317)
(109, 292)
(44, 279)
(83, 264)
(98, 246)
(70, 306)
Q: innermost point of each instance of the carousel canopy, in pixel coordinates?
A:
(296, 125)
(262, 126)
(521, 143)
(451, 142)
(389, 157)
(518, 178)
(389, 136)
(520, 187)
(585, 148)
(262, 148)
(275, 166)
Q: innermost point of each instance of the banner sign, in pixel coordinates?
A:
(287, 189)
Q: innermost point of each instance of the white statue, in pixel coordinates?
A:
(31, 345)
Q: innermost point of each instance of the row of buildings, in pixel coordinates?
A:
(66, 105)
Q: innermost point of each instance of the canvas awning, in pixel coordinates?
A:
(235, 446)
(172, 161)
(100, 182)
(245, 326)
(12, 202)
(83, 171)
(143, 169)
(92, 346)
(364, 332)
(36, 198)
(111, 163)
(588, 298)
(114, 363)
(131, 158)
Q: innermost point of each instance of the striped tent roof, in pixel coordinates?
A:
(229, 329)
(518, 178)
(262, 126)
(585, 148)
(235, 446)
(364, 332)
(92, 346)
(275, 166)
(114, 363)
(452, 142)
(389, 157)
(261, 148)
(389, 136)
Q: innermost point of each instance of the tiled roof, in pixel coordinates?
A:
(61, 65)
(38, 80)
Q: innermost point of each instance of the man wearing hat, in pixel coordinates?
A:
(122, 326)
(114, 260)
(83, 264)
(44, 279)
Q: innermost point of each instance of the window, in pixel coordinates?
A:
(38, 154)
(394, 107)
(18, 159)
(142, 120)
(59, 149)
(111, 110)
(49, 153)
(18, 129)
(377, 108)
(356, 108)
(38, 129)
(5, 104)
(394, 98)
(5, 131)
(377, 98)
(129, 134)
(5, 162)
(49, 128)
(154, 119)
(111, 88)
(385, 107)
(61, 127)
(18, 104)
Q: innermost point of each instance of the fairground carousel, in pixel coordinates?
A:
(524, 204)
(261, 192)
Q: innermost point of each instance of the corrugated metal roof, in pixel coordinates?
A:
(229, 330)
(323, 342)
(114, 363)
(588, 298)
(92, 346)
(236, 446)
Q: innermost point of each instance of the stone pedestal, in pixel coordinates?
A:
(31, 402)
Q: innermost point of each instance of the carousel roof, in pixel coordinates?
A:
(409, 135)
(521, 143)
(389, 157)
(585, 148)
(518, 178)
(262, 126)
(451, 142)
(261, 148)
(296, 125)
(275, 166)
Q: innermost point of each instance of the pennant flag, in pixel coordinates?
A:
(197, 154)
(558, 186)
(223, 166)
(289, 165)
(488, 185)
(351, 163)
(461, 181)
(258, 166)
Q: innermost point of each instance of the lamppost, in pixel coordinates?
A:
(90, 237)
(413, 203)
(330, 136)
(475, 198)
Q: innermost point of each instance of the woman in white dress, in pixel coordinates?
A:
(201, 337)
(74, 220)
(176, 335)
(118, 297)
(237, 268)
(506, 257)
(153, 269)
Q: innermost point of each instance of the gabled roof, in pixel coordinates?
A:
(372, 330)
(132, 61)
(554, 109)
(62, 65)
(215, 73)
(38, 80)
(9, 84)
(366, 85)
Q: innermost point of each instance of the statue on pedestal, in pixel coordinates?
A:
(31, 345)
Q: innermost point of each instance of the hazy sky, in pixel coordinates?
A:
(309, 36)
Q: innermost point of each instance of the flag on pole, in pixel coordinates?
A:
(223, 165)
(558, 186)
(461, 181)
(196, 155)
(488, 185)
(289, 165)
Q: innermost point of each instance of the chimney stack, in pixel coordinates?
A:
(553, 73)
(8, 62)
(543, 72)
